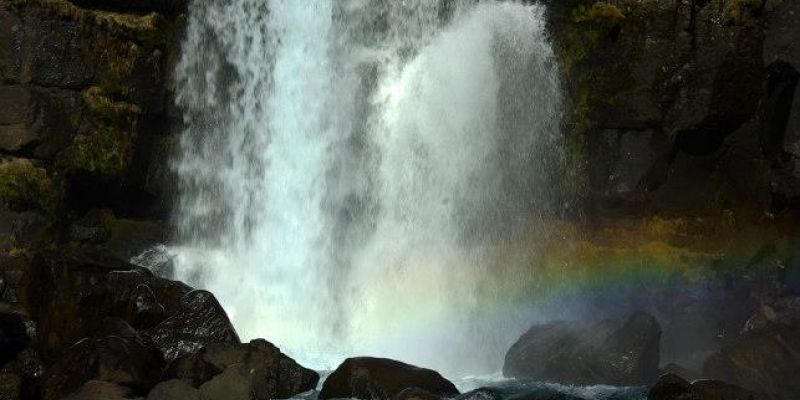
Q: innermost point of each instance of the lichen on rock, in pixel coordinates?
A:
(24, 186)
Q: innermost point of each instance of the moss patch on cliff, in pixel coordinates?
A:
(24, 186)
(106, 148)
(150, 29)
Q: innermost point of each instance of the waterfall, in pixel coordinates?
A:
(346, 167)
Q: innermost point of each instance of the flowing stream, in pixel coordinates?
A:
(348, 167)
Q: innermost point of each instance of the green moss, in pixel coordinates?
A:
(150, 29)
(739, 11)
(106, 148)
(23, 186)
(101, 106)
(603, 14)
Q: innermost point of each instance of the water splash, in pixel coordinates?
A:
(345, 165)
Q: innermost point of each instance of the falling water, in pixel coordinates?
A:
(347, 165)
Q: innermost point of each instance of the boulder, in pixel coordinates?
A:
(20, 366)
(69, 296)
(191, 368)
(235, 383)
(14, 335)
(577, 353)
(272, 374)
(670, 387)
(673, 387)
(175, 389)
(381, 378)
(199, 321)
(116, 354)
(763, 362)
(415, 393)
(99, 390)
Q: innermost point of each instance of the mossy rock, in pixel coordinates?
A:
(25, 186)
(106, 148)
(146, 29)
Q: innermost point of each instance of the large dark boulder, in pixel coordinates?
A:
(199, 321)
(270, 373)
(673, 387)
(116, 354)
(175, 389)
(764, 362)
(20, 365)
(380, 378)
(578, 353)
(70, 295)
(99, 390)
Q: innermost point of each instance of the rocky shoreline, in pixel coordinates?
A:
(88, 327)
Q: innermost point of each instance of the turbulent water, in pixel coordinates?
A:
(346, 165)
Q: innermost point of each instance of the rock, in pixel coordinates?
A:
(235, 383)
(199, 321)
(272, 374)
(13, 335)
(191, 368)
(670, 387)
(481, 394)
(707, 389)
(115, 354)
(673, 387)
(145, 308)
(782, 312)
(174, 389)
(20, 365)
(10, 386)
(415, 393)
(763, 362)
(381, 378)
(635, 349)
(575, 353)
(69, 295)
(98, 390)
(681, 371)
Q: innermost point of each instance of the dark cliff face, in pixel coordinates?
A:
(85, 117)
(682, 107)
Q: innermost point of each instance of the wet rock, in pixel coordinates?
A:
(69, 295)
(20, 365)
(116, 354)
(175, 389)
(235, 383)
(415, 393)
(679, 370)
(122, 355)
(481, 394)
(763, 362)
(144, 307)
(673, 387)
(272, 374)
(381, 378)
(670, 387)
(707, 389)
(576, 353)
(98, 390)
(781, 312)
(199, 321)
(13, 335)
(10, 386)
(191, 368)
